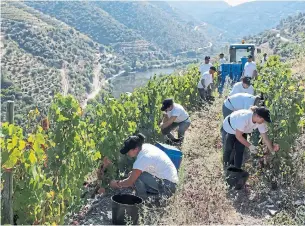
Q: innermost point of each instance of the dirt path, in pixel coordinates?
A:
(203, 198)
(64, 80)
(98, 82)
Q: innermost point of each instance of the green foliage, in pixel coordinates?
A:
(50, 163)
(284, 96)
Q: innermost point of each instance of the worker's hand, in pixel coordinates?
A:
(276, 147)
(253, 149)
(114, 184)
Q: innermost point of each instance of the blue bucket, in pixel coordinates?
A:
(173, 153)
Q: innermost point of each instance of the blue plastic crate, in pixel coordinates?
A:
(226, 68)
(173, 153)
(244, 60)
(236, 72)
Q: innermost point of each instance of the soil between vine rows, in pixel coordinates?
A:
(202, 197)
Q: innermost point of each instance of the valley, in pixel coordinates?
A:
(84, 75)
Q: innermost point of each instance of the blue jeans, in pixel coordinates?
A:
(148, 184)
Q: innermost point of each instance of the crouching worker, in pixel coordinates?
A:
(174, 116)
(205, 84)
(237, 125)
(152, 173)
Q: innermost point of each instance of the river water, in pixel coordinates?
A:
(122, 84)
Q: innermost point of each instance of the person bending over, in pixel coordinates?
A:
(242, 87)
(237, 126)
(153, 172)
(239, 101)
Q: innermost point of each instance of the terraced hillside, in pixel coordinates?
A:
(41, 56)
(116, 22)
(155, 25)
(287, 39)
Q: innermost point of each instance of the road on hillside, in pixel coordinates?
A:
(98, 82)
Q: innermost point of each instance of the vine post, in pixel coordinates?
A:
(8, 178)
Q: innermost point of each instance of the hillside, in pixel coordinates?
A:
(42, 56)
(199, 10)
(117, 22)
(155, 25)
(245, 19)
(287, 39)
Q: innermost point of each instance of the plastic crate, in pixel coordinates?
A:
(173, 153)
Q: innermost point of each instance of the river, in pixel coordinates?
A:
(122, 84)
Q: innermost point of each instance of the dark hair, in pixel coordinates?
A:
(167, 103)
(262, 112)
(133, 142)
(213, 68)
(246, 81)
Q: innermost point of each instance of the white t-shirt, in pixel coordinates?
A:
(242, 120)
(221, 61)
(238, 88)
(239, 101)
(154, 161)
(178, 111)
(208, 79)
(249, 68)
(204, 67)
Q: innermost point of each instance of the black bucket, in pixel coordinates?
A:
(236, 178)
(125, 207)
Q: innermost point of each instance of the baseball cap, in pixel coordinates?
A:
(167, 103)
(264, 113)
(207, 58)
(250, 56)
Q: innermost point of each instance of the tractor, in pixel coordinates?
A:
(238, 58)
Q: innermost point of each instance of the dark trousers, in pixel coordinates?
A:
(233, 145)
(147, 184)
(225, 111)
(182, 127)
(205, 94)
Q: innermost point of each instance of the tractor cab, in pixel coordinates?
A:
(240, 51)
(238, 58)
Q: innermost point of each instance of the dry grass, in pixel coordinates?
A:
(202, 197)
